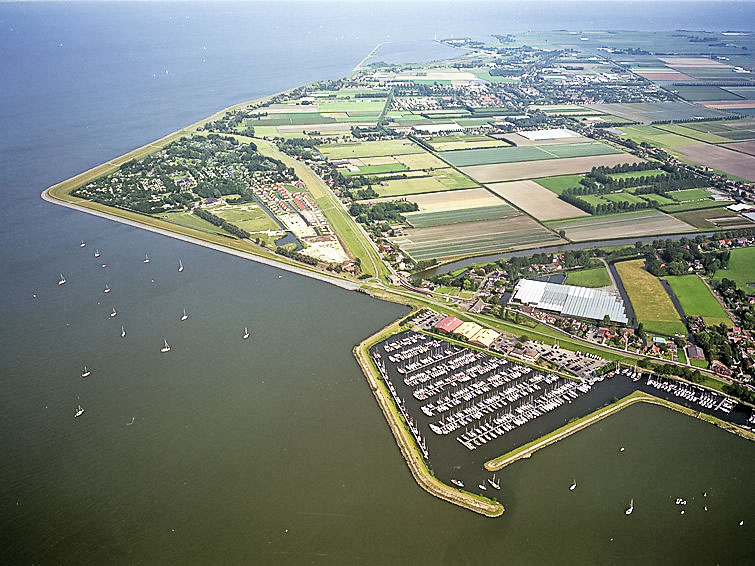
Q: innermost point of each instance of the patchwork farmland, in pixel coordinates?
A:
(643, 223)
(535, 200)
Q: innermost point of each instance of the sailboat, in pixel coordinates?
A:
(106, 290)
(246, 333)
(573, 486)
(123, 332)
(96, 253)
(146, 258)
(180, 266)
(62, 280)
(494, 484)
(482, 487)
(184, 316)
(82, 244)
(458, 483)
(79, 411)
(86, 372)
(630, 508)
(166, 347)
(112, 314)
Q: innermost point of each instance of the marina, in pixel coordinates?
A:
(464, 406)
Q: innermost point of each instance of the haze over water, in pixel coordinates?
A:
(270, 450)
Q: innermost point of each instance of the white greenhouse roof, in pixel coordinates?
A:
(571, 300)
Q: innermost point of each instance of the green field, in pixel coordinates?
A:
(694, 205)
(560, 183)
(368, 149)
(695, 93)
(440, 180)
(623, 197)
(652, 305)
(249, 217)
(694, 134)
(697, 300)
(596, 277)
(464, 158)
(427, 219)
(372, 105)
(699, 218)
(375, 169)
(295, 118)
(191, 220)
(655, 136)
(686, 195)
(660, 199)
(741, 269)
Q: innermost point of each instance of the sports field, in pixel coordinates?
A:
(487, 156)
(368, 149)
(697, 300)
(642, 223)
(596, 277)
(717, 157)
(741, 269)
(536, 200)
(545, 168)
(652, 305)
(470, 238)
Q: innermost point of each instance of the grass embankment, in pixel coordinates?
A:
(596, 277)
(406, 442)
(697, 300)
(530, 448)
(652, 305)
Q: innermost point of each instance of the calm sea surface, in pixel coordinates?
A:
(270, 450)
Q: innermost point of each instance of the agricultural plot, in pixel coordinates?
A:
(532, 153)
(741, 269)
(655, 136)
(713, 218)
(424, 160)
(250, 217)
(368, 149)
(692, 134)
(457, 142)
(697, 300)
(635, 174)
(446, 218)
(474, 238)
(440, 180)
(521, 141)
(375, 169)
(535, 200)
(652, 305)
(544, 168)
(559, 184)
(643, 223)
(745, 147)
(735, 130)
(660, 200)
(596, 277)
(693, 205)
(696, 93)
(657, 111)
(738, 164)
(685, 195)
(448, 200)
(191, 220)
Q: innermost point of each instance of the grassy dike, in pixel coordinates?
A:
(404, 439)
(530, 448)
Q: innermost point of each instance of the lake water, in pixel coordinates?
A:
(270, 450)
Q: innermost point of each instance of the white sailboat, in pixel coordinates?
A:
(573, 486)
(146, 258)
(458, 483)
(184, 316)
(79, 411)
(106, 290)
(494, 484)
(630, 508)
(86, 372)
(123, 332)
(166, 347)
(112, 314)
(482, 487)
(82, 244)
(96, 253)
(246, 333)
(62, 280)
(180, 266)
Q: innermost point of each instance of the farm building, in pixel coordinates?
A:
(448, 324)
(485, 337)
(468, 330)
(571, 300)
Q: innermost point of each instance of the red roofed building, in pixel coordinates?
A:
(448, 324)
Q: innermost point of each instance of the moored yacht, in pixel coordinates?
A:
(494, 484)
(82, 244)
(458, 483)
(106, 290)
(573, 486)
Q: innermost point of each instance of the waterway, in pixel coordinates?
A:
(270, 450)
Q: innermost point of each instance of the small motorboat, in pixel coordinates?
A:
(62, 280)
(458, 483)
(180, 266)
(573, 486)
(630, 508)
(82, 244)
(146, 258)
(96, 253)
(123, 332)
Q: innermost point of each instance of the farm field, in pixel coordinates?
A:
(655, 136)
(687, 195)
(471, 238)
(735, 130)
(656, 111)
(375, 169)
(369, 149)
(424, 160)
(448, 200)
(693, 134)
(741, 269)
(596, 277)
(535, 200)
(521, 141)
(456, 142)
(440, 180)
(695, 93)
(635, 174)
(447, 217)
(713, 218)
(545, 168)
(652, 305)
(697, 300)
(559, 184)
(744, 147)
(188, 219)
(532, 153)
(722, 159)
(660, 199)
(643, 223)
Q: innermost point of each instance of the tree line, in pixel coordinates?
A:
(222, 224)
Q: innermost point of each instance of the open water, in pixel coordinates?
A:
(270, 450)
